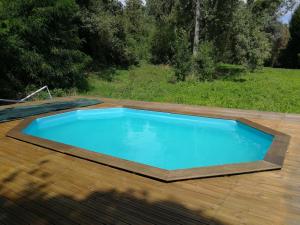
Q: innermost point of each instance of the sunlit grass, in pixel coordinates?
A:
(269, 89)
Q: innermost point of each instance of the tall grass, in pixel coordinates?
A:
(269, 89)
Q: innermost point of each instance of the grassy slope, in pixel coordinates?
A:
(268, 90)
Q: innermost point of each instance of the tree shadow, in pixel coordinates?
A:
(231, 73)
(107, 74)
(35, 203)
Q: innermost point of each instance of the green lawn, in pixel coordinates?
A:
(270, 89)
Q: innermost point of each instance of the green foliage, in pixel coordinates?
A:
(55, 92)
(160, 10)
(218, 27)
(259, 49)
(280, 41)
(204, 64)
(182, 57)
(134, 14)
(290, 57)
(138, 29)
(162, 44)
(39, 44)
(241, 32)
(103, 29)
(163, 39)
(267, 90)
(245, 41)
(53, 42)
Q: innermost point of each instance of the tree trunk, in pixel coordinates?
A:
(197, 28)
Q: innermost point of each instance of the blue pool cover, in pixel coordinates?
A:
(17, 112)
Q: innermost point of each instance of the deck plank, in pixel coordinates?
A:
(39, 186)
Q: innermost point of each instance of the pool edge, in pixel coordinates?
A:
(273, 160)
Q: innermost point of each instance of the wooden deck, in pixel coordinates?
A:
(39, 186)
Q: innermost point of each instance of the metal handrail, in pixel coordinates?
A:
(28, 96)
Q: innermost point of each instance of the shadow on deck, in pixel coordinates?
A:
(36, 203)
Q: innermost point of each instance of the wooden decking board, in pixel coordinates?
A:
(91, 206)
(105, 172)
(253, 199)
(65, 205)
(138, 186)
(39, 209)
(60, 184)
(59, 178)
(122, 204)
(20, 216)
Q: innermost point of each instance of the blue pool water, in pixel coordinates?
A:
(164, 140)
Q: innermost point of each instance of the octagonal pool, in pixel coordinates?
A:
(164, 140)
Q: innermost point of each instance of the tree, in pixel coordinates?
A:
(290, 57)
(280, 38)
(40, 45)
(139, 27)
(204, 64)
(162, 44)
(242, 32)
(250, 43)
(182, 56)
(197, 28)
(238, 30)
(134, 15)
(163, 37)
(104, 31)
(160, 10)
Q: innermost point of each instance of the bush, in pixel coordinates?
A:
(56, 92)
(204, 64)
(40, 45)
(162, 50)
(138, 29)
(249, 43)
(182, 56)
(103, 28)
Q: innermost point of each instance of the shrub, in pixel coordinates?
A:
(249, 43)
(162, 42)
(182, 56)
(40, 44)
(204, 64)
(103, 28)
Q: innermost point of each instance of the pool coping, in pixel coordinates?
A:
(273, 160)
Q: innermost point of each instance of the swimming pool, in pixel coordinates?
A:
(153, 142)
